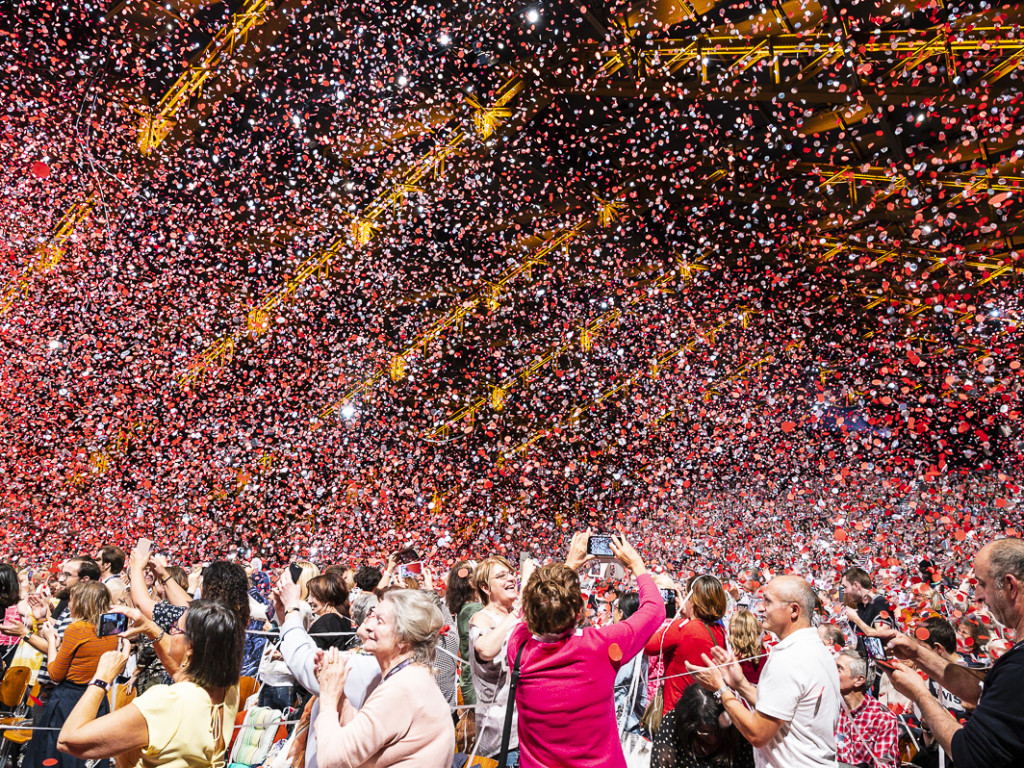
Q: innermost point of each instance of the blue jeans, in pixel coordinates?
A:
(276, 696)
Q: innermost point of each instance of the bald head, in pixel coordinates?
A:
(795, 589)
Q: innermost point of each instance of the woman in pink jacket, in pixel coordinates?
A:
(567, 675)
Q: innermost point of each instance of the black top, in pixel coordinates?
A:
(869, 613)
(994, 736)
(340, 627)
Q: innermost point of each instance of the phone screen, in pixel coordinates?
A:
(874, 648)
(113, 624)
(296, 572)
(600, 545)
(410, 569)
(668, 595)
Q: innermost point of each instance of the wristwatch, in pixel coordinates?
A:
(100, 684)
(721, 692)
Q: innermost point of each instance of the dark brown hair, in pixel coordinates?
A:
(329, 588)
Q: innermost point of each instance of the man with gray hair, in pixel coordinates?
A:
(867, 731)
(994, 736)
(797, 700)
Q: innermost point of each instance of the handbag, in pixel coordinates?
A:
(656, 708)
(635, 748)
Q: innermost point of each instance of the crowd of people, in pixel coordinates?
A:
(605, 659)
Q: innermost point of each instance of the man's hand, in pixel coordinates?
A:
(709, 676)
(908, 682)
(898, 644)
(729, 666)
(578, 556)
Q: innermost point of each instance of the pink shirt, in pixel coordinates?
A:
(565, 703)
(405, 722)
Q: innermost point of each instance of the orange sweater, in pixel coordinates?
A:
(80, 653)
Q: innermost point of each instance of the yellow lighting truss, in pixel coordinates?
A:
(101, 458)
(156, 125)
(584, 335)
(47, 255)
(488, 295)
(665, 57)
(260, 317)
(656, 365)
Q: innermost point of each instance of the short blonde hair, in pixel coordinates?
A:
(482, 574)
(418, 622)
(89, 601)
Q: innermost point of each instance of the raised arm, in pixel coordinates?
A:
(88, 738)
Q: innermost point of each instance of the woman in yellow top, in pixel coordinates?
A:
(182, 725)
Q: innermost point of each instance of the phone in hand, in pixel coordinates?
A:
(668, 595)
(876, 652)
(113, 624)
(295, 571)
(410, 569)
(600, 545)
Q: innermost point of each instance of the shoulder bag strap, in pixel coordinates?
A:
(510, 706)
(710, 634)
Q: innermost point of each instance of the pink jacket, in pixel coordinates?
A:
(566, 709)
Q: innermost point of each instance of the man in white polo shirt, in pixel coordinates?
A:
(797, 700)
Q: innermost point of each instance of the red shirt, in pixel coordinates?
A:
(684, 641)
(870, 737)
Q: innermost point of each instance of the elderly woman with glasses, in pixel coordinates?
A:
(406, 719)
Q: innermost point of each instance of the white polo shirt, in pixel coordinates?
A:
(800, 686)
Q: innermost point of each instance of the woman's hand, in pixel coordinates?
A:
(159, 565)
(140, 624)
(39, 605)
(578, 556)
(628, 556)
(332, 676)
(48, 631)
(112, 664)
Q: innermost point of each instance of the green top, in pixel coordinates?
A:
(465, 677)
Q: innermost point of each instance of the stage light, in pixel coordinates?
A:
(348, 411)
(55, 344)
(403, 80)
(533, 15)
(444, 38)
